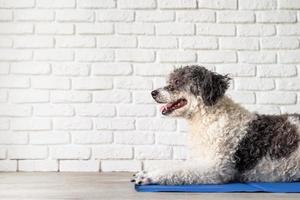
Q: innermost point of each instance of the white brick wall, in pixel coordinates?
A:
(76, 75)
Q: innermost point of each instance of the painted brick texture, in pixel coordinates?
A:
(76, 75)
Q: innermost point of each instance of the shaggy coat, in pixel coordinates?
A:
(227, 143)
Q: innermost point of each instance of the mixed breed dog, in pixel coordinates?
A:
(227, 143)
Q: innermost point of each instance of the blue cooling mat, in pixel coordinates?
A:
(222, 188)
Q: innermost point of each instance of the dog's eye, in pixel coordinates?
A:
(177, 82)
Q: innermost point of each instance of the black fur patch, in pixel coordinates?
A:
(202, 82)
(267, 135)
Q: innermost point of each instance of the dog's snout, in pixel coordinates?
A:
(154, 93)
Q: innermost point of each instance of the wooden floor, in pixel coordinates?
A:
(98, 186)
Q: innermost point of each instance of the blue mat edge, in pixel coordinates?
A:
(293, 187)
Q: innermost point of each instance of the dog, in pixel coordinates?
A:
(227, 142)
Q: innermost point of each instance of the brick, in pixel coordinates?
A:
(235, 17)
(239, 43)
(152, 152)
(175, 29)
(236, 69)
(288, 84)
(289, 56)
(171, 139)
(257, 57)
(96, 4)
(112, 152)
(132, 4)
(15, 55)
(257, 4)
(215, 29)
(70, 97)
(115, 16)
(54, 29)
(256, 30)
(160, 164)
(30, 68)
(136, 83)
(177, 56)
(75, 16)
(92, 137)
(16, 28)
(9, 110)
(70, 69)
(199, 43)
(156, 124)
(177, 4)
(120, 165)
(55, 4)
(217, 4)
(289, 4)
(153, 69)
(254, 84)
(6, 15)
(50, 83)
(111, 69)
(17, 3)
(27, 152)
(276, 17)
(8, 165)
(94, 55)
(276, 98)
(135, 55)
(28, 96)
(34, 15)
(290, 109)
(77, 42)
(136, 110)
(4, 125)
(6, 42)
(116, 96)
(216, 56)
(99, 28)
(154, 16)
(93, 110)
(135, 28)
(196, 16)
(279, 43)
(289, 29)
(180, 153)
(49, 138)
(116, 42)
(38, 165)
(79, 166)
(3, 153)
(4, 68)
(133, 138)
(53, 110)
(114, 124)
(141, 97)
(91, 83)
(276, 70)
(9, 138)
(157, 42)
(242, 97)
(31, 124)
(73, 124)
(14, 82)
(70, 152)
(54, 55)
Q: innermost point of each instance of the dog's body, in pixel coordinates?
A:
(227, 142)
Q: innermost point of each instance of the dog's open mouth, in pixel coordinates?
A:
(170, 107)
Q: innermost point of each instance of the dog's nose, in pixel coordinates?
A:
(154, 93)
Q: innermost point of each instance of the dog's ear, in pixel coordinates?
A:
(210, 86)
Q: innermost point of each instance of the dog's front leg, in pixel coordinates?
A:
(187, 174)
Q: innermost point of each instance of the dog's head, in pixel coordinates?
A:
(188, 88)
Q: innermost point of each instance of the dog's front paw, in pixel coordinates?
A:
(142, 178)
